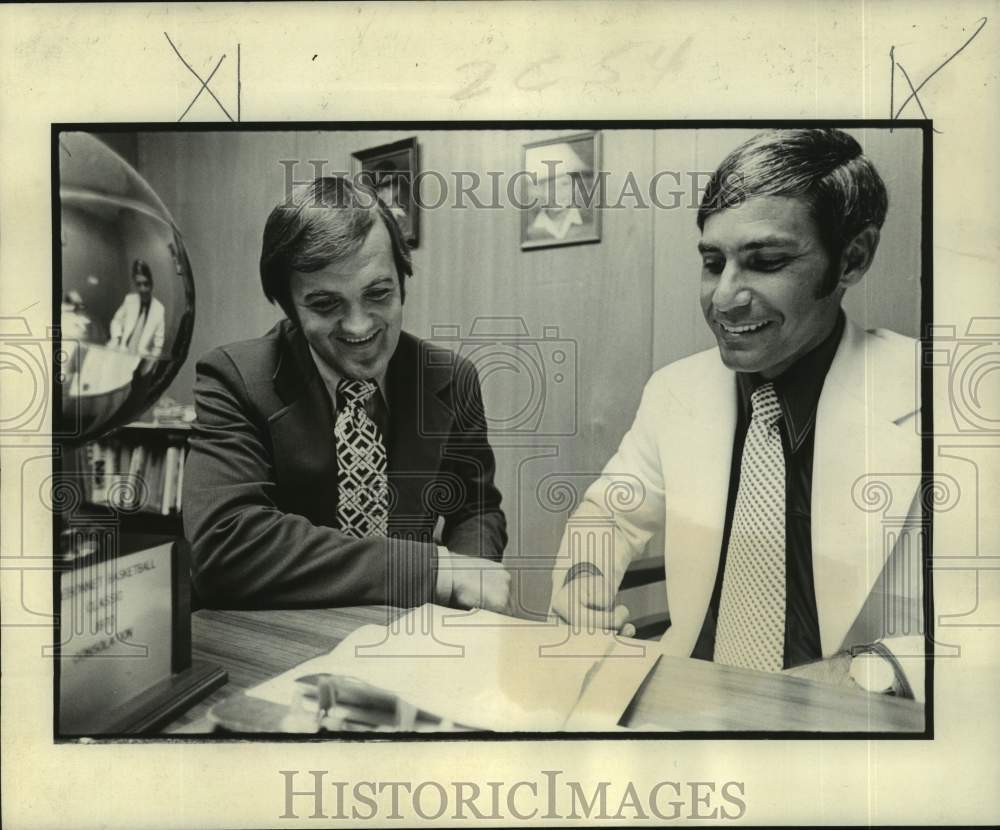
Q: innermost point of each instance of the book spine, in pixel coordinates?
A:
(123, 464)
(154, 479)
(136, 470)
(181, 457)
(169, 481)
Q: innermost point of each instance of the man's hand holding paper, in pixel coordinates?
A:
(587, 601)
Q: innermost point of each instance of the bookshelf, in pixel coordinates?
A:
(124, 585)
(134, 477)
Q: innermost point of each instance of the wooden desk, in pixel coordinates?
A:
(679, 694)
(696, 695)
(254, 646)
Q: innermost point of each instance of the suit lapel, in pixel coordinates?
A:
(419, 424)
(305, 457)
(858, 442)
(696, 497)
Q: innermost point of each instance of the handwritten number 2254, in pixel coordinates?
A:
(534, 74)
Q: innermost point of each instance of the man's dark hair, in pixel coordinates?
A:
(321, 222)
(139, 266)
(825, 167)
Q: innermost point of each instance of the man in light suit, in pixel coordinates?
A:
(326, 452)
(140, 321)
(753, 458)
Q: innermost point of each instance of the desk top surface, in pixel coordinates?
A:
(679, 694)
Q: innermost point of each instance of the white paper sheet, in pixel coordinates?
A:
(479, 669)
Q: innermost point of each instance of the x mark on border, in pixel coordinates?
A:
(204, 81)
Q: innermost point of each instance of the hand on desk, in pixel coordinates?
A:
(478, 583)
(587, 601)
(833, 670)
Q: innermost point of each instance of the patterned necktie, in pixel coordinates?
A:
(751, 630)
(362, 481)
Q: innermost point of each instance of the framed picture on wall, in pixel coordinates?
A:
(392, 169)
(560, 194)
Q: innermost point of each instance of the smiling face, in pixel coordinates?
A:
(351, 311)
(763, 270)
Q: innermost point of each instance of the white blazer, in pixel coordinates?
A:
(671, 473)
(127, 317)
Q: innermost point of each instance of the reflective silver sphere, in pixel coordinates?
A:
(127, 291)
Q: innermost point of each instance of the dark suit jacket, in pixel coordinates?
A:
(260, 485)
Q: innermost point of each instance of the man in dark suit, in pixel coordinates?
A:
(326, 452)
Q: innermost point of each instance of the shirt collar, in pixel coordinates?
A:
(559, 228)
(798, 387)
(331, 378)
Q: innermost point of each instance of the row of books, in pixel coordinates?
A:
(135, 476)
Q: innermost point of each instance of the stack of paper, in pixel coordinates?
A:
(488, 671)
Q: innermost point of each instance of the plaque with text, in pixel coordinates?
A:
(125, 642)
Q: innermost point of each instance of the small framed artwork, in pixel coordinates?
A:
(561, 192)
(392, 170)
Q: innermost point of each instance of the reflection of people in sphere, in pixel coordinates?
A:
(75, 321)
(138, 325)
(77, 328)
(558, 176)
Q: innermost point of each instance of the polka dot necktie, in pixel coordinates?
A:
(362, 481)
(751, 629)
